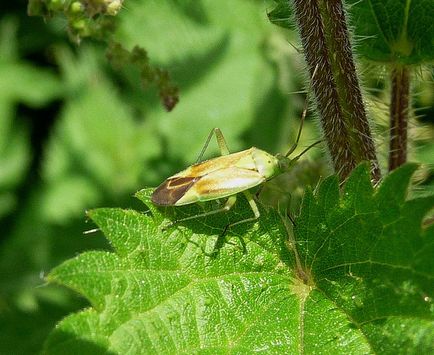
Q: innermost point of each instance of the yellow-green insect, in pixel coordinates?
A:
(224, 177)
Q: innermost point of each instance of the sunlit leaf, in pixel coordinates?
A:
(359, 282)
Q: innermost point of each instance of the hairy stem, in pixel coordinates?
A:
(324, 35)
(399, 116)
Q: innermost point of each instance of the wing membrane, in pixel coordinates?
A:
(171, 190)
(209, 180)
(220, 184)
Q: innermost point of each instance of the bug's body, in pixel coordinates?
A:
(217, 178)
(223, 177)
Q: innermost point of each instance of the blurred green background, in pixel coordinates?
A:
(76, 134)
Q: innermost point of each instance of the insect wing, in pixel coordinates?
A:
(171, 190)
(241, 159)
(215, 178)
(220, 184)
(182, 190)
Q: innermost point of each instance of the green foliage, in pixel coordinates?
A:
(83, 156)
(394, 31)
(356, 278)
(109, 137)
(391, 31)
(104, 137)
(281, 14)
(20, 83)
(220, 60)
(94, 18)
(370, 255)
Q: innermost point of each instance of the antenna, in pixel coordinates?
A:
(303, 116)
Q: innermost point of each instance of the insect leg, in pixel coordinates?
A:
(254, 208)
(227, 206)
(220, 141)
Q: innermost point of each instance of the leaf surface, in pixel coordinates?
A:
(360, 281)
(388, 31)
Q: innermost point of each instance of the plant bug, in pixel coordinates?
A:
(225, 177)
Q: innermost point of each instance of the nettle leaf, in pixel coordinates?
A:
(356, 277)
(388, 31)
(398, 31)
(368, 253)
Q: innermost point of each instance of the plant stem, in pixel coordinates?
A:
(399, 116)
(327, 49)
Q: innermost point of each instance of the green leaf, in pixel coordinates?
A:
(359, 282)
(397, 31)
(374, 264)
(108, 136)
(97, 147)
(281, 14)
(387, 31)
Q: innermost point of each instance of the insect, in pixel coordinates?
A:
(225, 177)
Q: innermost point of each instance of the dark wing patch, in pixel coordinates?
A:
(172, 190)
